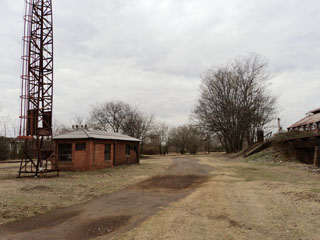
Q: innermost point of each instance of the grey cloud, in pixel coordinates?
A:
(151, 53)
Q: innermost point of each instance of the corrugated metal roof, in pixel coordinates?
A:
(306, 120)
(314, 111)
(85, 133)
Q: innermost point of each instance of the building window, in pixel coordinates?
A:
(65, 152)
(80, 146)
(135, 148)
(127, 150)
(107, 152)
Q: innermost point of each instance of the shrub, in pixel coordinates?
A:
(4, 149)
(279, 137)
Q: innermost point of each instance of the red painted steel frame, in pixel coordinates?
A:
(37, 89)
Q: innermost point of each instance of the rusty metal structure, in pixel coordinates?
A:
(37, 90)
(311, 122)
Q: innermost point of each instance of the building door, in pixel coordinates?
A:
(98, 153)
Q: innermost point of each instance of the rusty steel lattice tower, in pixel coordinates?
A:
(37, 90)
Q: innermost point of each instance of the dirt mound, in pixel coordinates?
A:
(172, 181)
(267, 155)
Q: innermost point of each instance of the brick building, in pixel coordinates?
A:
(84, 150)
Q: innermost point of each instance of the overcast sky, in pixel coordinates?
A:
(151, 53)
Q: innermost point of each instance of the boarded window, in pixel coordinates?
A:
(65, 152)
(80, 146)
(107, 152)
(127, 150)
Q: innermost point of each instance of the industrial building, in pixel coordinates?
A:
(311, 122)
(84, 150)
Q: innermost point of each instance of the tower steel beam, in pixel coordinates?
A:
(37, 90)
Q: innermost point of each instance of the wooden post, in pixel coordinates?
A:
(279, 126)
(316, 156)
(260, 136)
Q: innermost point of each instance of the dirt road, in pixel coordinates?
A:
(121, 211)
(242, 200)
(210, 197)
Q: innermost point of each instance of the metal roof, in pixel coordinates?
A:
(85, 134)
(314, 111)
(306, 120)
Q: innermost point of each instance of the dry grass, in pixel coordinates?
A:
(241, 201)
(22, 198)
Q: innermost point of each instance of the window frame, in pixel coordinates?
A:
(81, 144)
(68, 155)
(128, 150)
(105, 151)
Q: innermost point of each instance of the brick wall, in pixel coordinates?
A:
(98, 161)
(79, 158)
(121, 157)
(93, 157)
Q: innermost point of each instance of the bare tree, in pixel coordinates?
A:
(159, 137)
(59, 128)
(109, 116)
(186, 138)
(78, 120)
(234, 101)
(179, 138)
(138, 125)
(8, 132)
(9, 127)
(121, 117)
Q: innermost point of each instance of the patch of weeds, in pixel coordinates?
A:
(8, 177)
(267, 155)
(291, 135)
(303, 196)
(266, 174)
(251, 169)
(36, 188)
(315, 190)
